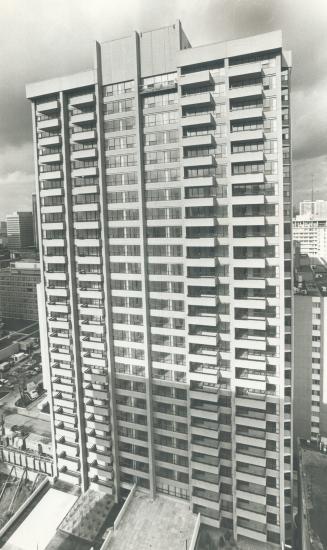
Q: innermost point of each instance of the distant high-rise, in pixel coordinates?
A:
(164, 191)
(20, 230)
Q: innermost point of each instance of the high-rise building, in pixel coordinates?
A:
(164, 189)
(310, 358)
(20, 230)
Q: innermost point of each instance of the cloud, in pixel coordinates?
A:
(42, 40)
(17, 179)
(306, 173)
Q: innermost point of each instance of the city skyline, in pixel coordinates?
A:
(65, 49)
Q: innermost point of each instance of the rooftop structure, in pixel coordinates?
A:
(164, 201)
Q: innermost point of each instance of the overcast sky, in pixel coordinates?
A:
(47, 38)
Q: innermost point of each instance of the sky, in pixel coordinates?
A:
(42, 39)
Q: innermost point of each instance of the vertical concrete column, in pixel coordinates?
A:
(143, 258)
(76, 362)
(106, 270)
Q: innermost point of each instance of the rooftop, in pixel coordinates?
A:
(313, 471)
(158, 525)
(88, 515)
(41, 524)
(310, 277)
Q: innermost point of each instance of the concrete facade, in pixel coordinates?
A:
(164, 198)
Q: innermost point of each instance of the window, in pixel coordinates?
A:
(160, 119)
(119, 88)
(118, 106)
(119, 125)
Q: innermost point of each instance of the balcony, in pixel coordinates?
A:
(201, 78)
(87, 135)
(48, 124)
(69, 462)
(48, 106)
(246, 135)
(84, 154)
(249, 156)
(48, 141)
(203, 99)
(241, 114)
(85, 99)
(85, 189)
(198, 120)
(207, 160)
(200, 182)
(85, 171)
(196, 141)
(52, 192)
(50, 158)
(249, 534)
(83, 118)
(245, 69)
(51, 175)
(246, 91)
(203, 300)
(67, 447)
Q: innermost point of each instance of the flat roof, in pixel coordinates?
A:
(160, 524)
(32, 424)
(41, 524)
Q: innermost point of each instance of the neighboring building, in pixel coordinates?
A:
(166, 269)
(3, 234)
(4, 258)
(316, 208)
(18, 297)
(312, 498)
(310, 228)
(35, 222)
(310, 359)
(20, 230)
(311, 234)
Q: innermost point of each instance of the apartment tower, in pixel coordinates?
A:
(164, 199)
